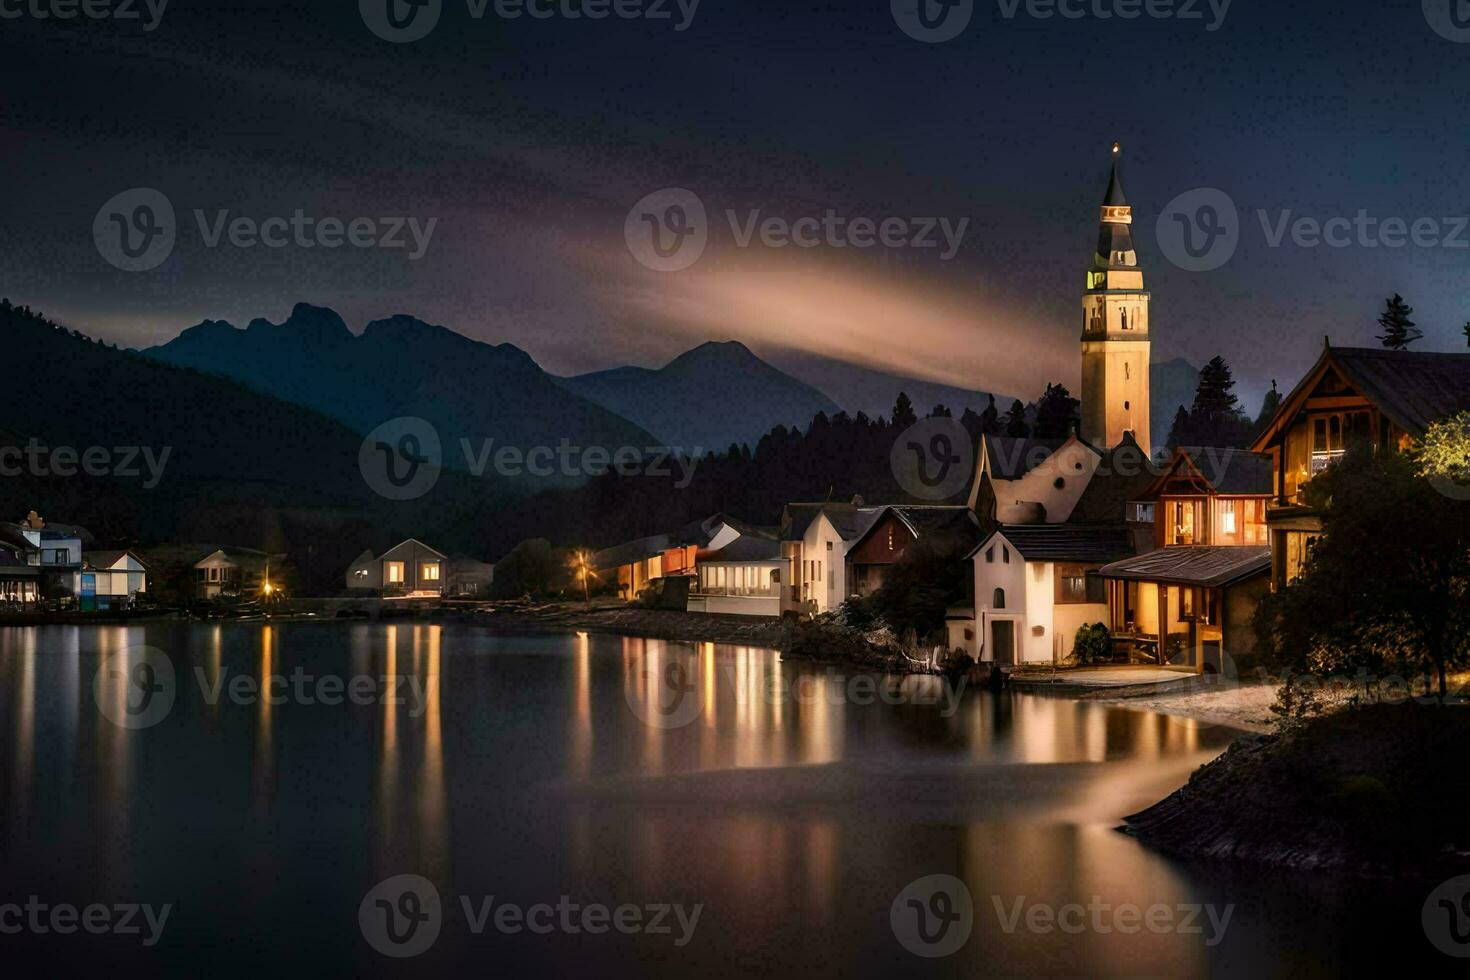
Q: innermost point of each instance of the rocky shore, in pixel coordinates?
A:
(1374, 790)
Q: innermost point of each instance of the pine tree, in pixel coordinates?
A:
(1015, 421)
(1466, 331)
(990, 418)
(1398, 330)
(903, 412)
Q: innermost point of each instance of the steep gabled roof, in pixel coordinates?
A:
(1414, 389)
(1063, 542)
(1010, 458)
(1215, 469)
(1124, 473)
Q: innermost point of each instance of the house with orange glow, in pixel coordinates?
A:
(1188, 602)
(1352, 396)
(408, 570)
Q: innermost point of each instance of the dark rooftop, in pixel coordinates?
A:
(1414, 388)
(1210, 567)
(1065, 542)
(1232, 470)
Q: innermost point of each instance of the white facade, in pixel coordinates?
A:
(823, 571)
(1011, 590)
(1054, 485)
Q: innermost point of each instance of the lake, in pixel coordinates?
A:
(613, 805)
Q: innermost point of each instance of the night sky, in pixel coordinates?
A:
(529, 140)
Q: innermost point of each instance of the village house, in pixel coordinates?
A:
(1036, 583)
(408, 570)
(1189, 602)
(873, 552)
(687, 552)
(815, 538)
(54, 550)
(1351, 396)
(234, 573)
(112, 580)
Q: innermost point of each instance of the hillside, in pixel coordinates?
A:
(710, 397)
(214, 461)
(402, 366)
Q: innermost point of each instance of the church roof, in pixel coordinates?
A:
(1114, 197)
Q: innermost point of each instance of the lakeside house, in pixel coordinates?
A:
(1188, 602)
(54, 550)
(815, 541)
(1036, 577)
(873, 553)
(408, 570)
(234, 573)
(112, 580)
(1351, 396)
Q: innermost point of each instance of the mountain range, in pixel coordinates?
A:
(402, 366)
(706, 399)
(711, 397)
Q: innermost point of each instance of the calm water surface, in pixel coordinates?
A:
(794, 804)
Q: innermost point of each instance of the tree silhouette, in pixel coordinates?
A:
(1015, 421)
(990, 418)
(1398, 329)
(903, 412)
(1056, 413)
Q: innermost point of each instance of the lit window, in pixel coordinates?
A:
(429, 571)
(393, 572)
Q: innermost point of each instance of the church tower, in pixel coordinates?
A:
(1115, 346)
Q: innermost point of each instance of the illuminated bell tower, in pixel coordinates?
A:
(1115, 346)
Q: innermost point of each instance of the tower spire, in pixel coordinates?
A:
(1115, 342)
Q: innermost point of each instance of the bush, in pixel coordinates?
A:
(1093, 644)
